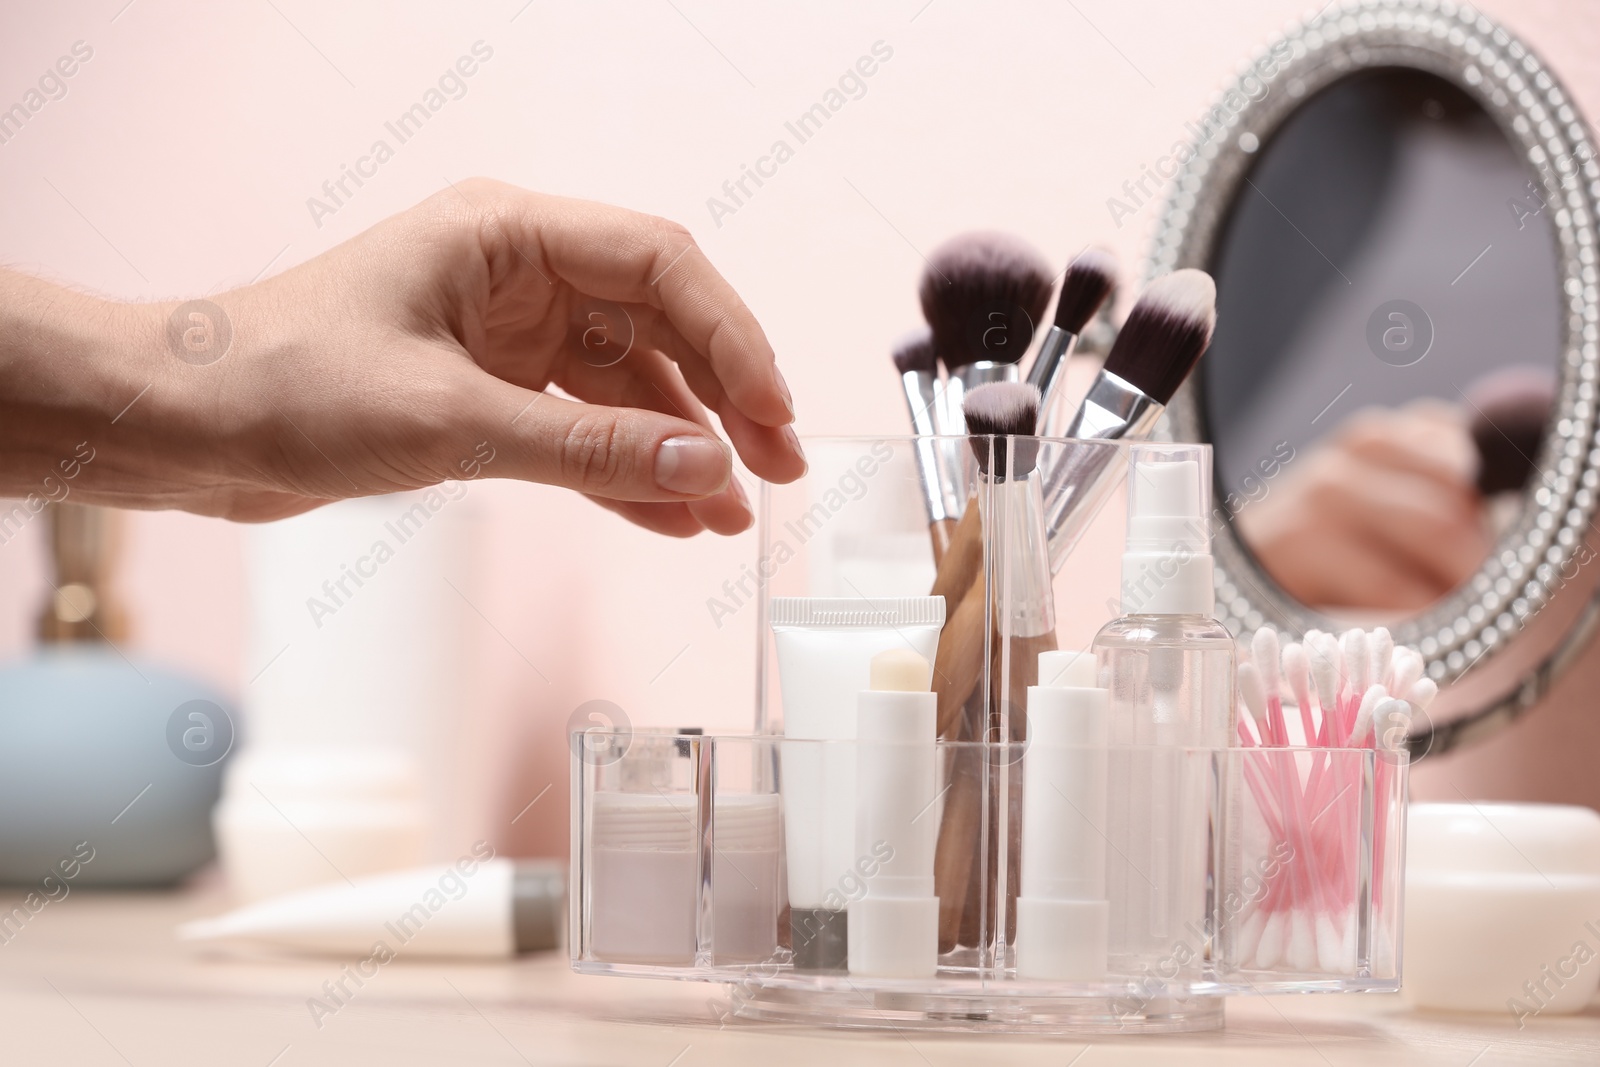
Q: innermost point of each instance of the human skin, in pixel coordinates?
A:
(1383, 514)
(401, 358)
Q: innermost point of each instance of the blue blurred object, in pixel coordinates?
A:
(101, 747)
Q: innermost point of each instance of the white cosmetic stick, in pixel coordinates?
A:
(1062, 914)
(894, 928)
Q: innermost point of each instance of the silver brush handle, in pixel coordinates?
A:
(939, 496)
(1049, 367)
(1078, 485)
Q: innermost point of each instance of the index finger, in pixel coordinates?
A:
(616, 254)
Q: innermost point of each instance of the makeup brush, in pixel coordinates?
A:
(1003, 418)
(1159, 344)
(919, 370)
(983, 294)
(995, 412)
(1084, 287)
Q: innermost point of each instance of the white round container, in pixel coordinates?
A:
(1502, 908)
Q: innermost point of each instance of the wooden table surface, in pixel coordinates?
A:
(98, 978)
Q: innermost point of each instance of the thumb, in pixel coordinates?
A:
(620, 453)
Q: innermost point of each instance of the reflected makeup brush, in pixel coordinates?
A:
(1084, 287)
(1003, 418)
(1159, 344)
(983, 294)
(919, 371)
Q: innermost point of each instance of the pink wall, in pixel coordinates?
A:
(185, 150)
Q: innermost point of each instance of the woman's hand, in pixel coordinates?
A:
(1381, 515)
(417, 352)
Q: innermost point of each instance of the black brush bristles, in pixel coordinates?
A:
(914, 352)
(1088, 281)
(1166, 333)
(997, 411)
(983, 295)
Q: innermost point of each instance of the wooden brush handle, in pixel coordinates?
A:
(958, 661)
(955, 857)
(962, 556)
(941, 533)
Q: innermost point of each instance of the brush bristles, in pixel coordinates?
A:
(1165, 334)
(1088, 281)
(983, 294)
(1001, 410)
(914, 353)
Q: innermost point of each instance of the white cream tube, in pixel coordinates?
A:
(825, 648)
(1062, 914)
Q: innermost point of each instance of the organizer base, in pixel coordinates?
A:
(978, 1013)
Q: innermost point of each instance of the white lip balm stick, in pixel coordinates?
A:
(894, 928)
(1062, 913)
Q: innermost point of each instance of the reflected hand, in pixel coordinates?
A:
(1383, 514)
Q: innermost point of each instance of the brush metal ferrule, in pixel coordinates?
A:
(1114, 408)
(960, 467)
(939, 496)
(1078, 485)
(1014, 520)
(1049, 365)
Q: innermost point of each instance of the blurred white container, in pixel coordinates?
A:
(365, 748)
(1502, 908)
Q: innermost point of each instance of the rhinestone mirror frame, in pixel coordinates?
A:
(1538, 116)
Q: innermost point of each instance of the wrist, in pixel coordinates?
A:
(89, 395)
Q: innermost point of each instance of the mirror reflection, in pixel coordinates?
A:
(1387, 347)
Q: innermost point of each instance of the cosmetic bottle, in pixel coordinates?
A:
(105, 755)
(1169, 667)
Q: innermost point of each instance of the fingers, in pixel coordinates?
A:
(1432, 528)
(671, 519)
(624, 256)
(773, 453)
(1426, 438)
(616, 453)
(647, 379)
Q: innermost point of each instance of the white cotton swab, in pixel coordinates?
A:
(1380, 657)
(1421, 694)
(1297, 672)
(1407, 670)
(1353, 647)
(1325, 675)
(1369, 706)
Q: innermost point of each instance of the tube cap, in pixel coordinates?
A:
(537, 894)
(819, 937)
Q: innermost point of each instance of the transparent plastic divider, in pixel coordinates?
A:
(682, 844)
(661, 891)
(1312, 889)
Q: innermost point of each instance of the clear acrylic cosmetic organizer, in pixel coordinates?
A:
(1288, 877)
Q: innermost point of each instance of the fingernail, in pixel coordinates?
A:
(738, 492)
(783, 389)
(696, 465)
(792, 439)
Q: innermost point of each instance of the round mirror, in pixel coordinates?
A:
(1397, 203)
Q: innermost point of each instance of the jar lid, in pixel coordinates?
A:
(1537, 840)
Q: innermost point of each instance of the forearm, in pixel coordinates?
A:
(88, 402)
